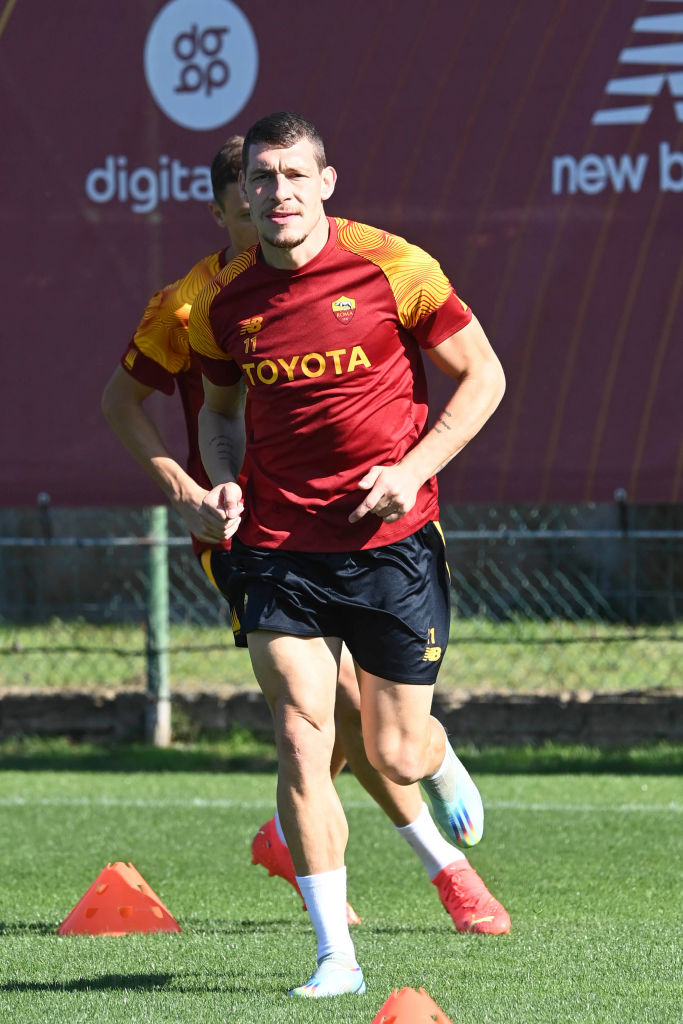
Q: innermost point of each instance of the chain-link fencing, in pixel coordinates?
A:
(556, 597)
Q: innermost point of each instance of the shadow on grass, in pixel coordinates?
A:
(28, 928)
(247, 926)
(106, 983)
(213, 926)
(241, 752)
(274, 982)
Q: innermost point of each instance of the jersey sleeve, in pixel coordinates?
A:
(160, 350)
(435, 325)
(147, 371)
(216, 365)
(426, 302)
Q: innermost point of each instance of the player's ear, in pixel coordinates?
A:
(217, 214)
(241, 184)
(328, 179)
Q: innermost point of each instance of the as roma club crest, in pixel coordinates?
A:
(344, 309)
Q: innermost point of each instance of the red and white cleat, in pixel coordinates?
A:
(268, 850)
(469, 902)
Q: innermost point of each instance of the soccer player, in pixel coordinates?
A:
(335, 537)
(159, 358)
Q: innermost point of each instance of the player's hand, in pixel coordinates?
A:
(392, 492)
(220, 512)
(189, 510)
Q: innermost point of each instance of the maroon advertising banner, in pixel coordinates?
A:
(534, 148)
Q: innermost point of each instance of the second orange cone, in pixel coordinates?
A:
(410, 1007)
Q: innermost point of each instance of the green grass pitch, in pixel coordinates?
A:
(588, 864)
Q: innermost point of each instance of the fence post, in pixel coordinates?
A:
(158, 711)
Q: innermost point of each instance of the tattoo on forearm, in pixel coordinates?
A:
(226, 450)
(441, 426)
(442, 422)
(220, 444)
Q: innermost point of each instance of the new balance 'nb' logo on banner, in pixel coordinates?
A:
(641, 89)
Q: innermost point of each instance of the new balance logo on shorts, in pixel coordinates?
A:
(432, 650)
(431, 653)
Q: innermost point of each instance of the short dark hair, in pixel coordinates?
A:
(226, 165)
(284, 128)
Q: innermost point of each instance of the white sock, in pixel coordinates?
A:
(278, 829)
(426, 840)
(325, 898)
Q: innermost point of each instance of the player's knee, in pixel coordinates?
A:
(404, 772)
(303, 742)
(399, 762)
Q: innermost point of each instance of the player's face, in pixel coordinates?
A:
(233, 213)
(285, 190)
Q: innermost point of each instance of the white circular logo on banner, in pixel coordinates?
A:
(201, 62)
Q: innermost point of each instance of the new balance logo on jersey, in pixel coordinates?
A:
(642, 88)
(249, 329)
(252, 325)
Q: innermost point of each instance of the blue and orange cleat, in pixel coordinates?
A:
(456, 802)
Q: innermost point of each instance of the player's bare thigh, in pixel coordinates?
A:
(297, 675)
(399, 734)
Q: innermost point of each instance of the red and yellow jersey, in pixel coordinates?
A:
(330, 353)
(159, 354)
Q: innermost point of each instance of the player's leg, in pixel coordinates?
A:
(398, 635)
(338, 759)
(298, 677)
(461, 890)
(269, 849)
(400, 632)
(401, 804)
(405, 743)
(269, 846)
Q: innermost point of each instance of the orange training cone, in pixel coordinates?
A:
(410, 1007)
(118, 902)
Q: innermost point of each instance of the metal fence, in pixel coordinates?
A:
(543, 597)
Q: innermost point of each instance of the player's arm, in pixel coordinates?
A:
(468, 358)
(222, 443)
(123, 406)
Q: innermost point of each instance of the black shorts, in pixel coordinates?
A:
(218, 567)
(390, 605)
